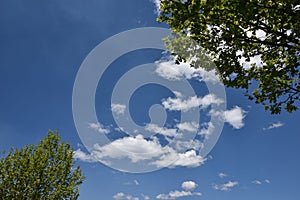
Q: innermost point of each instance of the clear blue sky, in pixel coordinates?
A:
(42, 46)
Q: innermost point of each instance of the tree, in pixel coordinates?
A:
(42, 171)
(263, 33)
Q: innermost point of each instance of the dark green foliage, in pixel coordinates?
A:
(42, 171)
(228, 31)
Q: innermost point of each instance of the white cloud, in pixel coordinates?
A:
(172, 71)
(177, 194)
(180, 104)
(162, 130)
(222, 175)
(138, 149)
(234, 116)
(145, 197)
(188, 126)
(226, 187)
(274, 125)
(187, 159)
(157, 5)
(189, 185)
(136, 182)
(257, 182)
(118, 109)
(267, 181)
(122, 196)
(207, 129)
(99, 128)
(80, 155)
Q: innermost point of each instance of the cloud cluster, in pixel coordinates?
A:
(187, 186)
(138, 149)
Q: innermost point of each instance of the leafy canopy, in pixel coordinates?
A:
(42, 171)
(263, 33)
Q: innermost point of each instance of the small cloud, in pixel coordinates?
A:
(256, 182)
(189, 185)
(122, 196)
(234, 116)
(226, 187)
(222, 175)
(99, 128)
(274, 125)
(267, 181)
(136, 182)
(118, 109)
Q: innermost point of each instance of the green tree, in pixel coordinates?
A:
(233, 31)
(42, 171)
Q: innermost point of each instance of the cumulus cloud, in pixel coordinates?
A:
(180, 104)
(234, 116)
(138, 149)
(274, 125)
(189, 185)
(99, 128)
(118, 109)
(222, 175)
(122, 196)
(226, 187)
(267, 181)
(172, 71)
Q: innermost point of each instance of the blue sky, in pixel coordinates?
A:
(42, 46)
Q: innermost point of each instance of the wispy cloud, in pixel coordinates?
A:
(118, 109)
(257, 182)
(222, 175)
(226, 187)
(274, 125)
(187, 186)
(99, 128)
